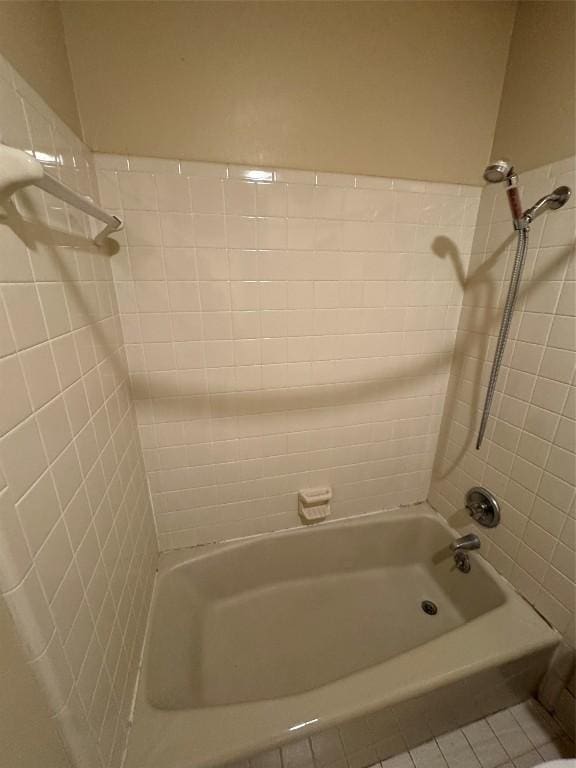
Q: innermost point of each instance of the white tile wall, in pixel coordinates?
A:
(77, 540)
(284, 330)
(527, 458)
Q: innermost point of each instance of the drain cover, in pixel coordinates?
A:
(429, 607)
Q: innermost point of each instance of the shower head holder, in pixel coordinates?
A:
(554, 200)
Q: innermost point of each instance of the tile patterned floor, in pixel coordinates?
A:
(520, 737)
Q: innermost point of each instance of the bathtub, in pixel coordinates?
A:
(315, 641)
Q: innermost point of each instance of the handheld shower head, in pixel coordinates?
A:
(502, 170)
(498, 171)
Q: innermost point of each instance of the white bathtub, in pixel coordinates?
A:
(255, 643)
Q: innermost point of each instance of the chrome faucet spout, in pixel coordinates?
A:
(465, 543)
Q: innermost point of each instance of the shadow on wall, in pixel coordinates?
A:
(480, 294)
(341, 393)
(475, 345)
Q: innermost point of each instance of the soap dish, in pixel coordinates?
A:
(314, 504)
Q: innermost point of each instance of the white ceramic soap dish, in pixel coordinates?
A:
(314, 504)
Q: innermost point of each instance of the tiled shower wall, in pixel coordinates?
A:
(284, 330)
(527, 458)
(77, 539)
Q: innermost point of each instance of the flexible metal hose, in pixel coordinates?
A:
(522, 245)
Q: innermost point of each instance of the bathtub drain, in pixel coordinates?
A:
(429, 607)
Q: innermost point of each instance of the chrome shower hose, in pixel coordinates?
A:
(521, 247)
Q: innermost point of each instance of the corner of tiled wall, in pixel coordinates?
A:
(77, 538)
(527, 459)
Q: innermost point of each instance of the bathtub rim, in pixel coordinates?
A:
(168, 730)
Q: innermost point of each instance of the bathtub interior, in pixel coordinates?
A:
(280, 615)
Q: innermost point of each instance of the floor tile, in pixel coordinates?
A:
(457, 751)
(520, 737)
(509, 733)
(535, 722)
(529, 760)
(400, 761)
(486, 746)
(428, 756)
(557, 749)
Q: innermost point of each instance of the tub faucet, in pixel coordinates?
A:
(461, 547)
(470, 541)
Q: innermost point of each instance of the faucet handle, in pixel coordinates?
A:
(483, 507)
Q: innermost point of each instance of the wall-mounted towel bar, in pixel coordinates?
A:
(19, 169)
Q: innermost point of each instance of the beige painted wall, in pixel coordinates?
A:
(32, 39)
(536, 122)
(405, 89)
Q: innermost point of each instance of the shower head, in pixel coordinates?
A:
(502, 170)
(498, 171)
